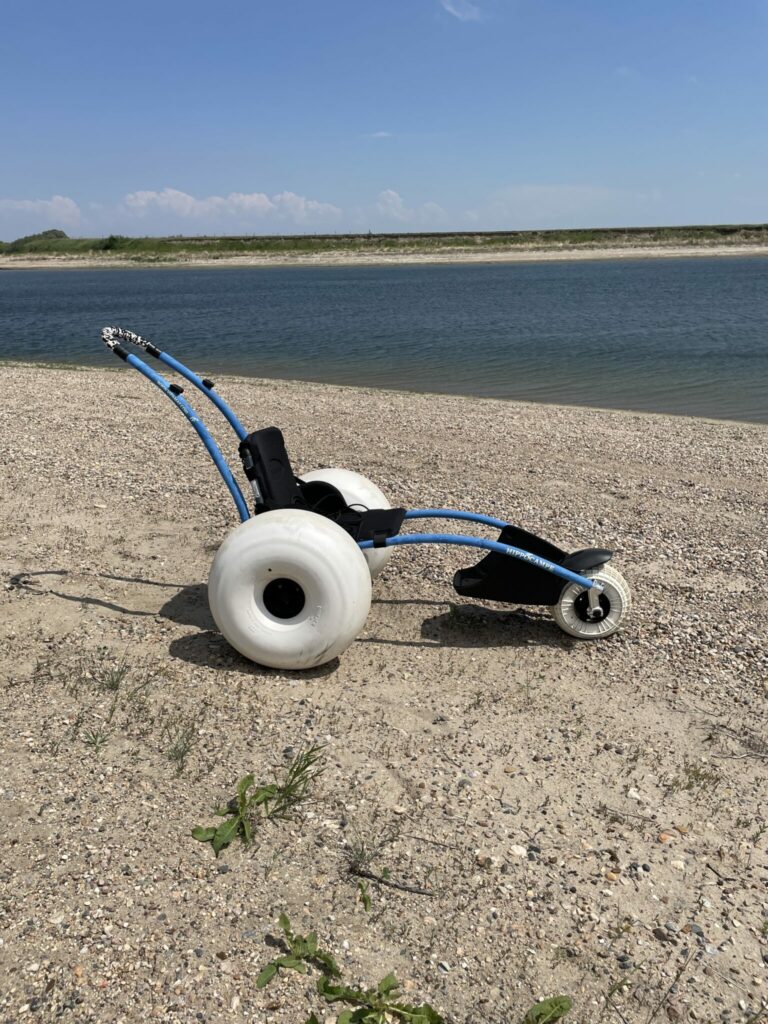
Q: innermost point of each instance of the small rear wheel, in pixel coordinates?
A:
(573, 614)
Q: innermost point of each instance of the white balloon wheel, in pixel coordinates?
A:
(572, 609)
(358, 491)
(289, 589)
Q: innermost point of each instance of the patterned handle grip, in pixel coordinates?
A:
(112, 336)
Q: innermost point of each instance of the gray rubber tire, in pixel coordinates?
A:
(289, 589)
(358, 491)
(616, 596)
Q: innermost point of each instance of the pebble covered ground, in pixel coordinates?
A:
(585, 819)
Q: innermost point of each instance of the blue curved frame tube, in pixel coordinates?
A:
(209, 393)
(449, 513)
(210, 445)
(416, 513)
(489, 545)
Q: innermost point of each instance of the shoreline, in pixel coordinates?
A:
(354, 259)
(399, 393)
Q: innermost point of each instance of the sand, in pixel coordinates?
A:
(588, 819)
(523, 254)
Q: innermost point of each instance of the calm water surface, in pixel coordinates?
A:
(683, 336)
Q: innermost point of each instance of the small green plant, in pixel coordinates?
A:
(95, 739)
(365, 897)
(364, 851)
(302, 950)
(302, 773)
(274, 801)
(547, 1011)
(239, 814)
(111, 677)
(376, 1005)
(695, 778)
(180, 734)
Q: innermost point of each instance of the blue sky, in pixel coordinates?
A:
(255, 116)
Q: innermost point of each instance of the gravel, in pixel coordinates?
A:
(473, 750)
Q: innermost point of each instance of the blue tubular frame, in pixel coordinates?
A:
(209, 393)
(111, 335)
(210, 445)
(449, 513)
(487, 545)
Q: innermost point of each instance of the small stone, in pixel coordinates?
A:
(646, 867)
(665, 837)
(518, 851)
(399, 809)
(678, 865)
(444, 966)
(661, 934)
(611, 876)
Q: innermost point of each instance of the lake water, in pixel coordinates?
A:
(685, 336)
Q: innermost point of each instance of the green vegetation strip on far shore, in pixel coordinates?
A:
(177, 247)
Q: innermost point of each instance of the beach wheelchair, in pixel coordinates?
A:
(290, 587)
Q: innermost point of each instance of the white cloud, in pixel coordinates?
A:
(391, 206)
(462, 9)
(301, 210)
(284, 205)
(378, 135)
(53, 212)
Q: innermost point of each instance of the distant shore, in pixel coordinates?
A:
(342, 258)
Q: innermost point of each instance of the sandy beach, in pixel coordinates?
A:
(523, 254)
(582, 819)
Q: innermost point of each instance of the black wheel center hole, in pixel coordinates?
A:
(283, 598)
(581, 606)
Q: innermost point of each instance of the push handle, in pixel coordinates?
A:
(112, 336)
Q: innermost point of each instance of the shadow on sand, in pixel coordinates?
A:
(460, 626)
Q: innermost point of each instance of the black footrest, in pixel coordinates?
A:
(500, 577)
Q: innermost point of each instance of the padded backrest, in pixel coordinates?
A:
(265, 460)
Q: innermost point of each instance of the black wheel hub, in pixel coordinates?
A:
(582, 609)
(283, 598)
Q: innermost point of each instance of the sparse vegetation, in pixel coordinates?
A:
(547, 1011)
(376, 1005)
(169, 249)
(180, 733)
(695, 778)
(302, 950)
(275, 801)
